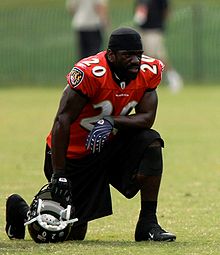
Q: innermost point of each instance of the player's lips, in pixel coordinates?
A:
(134, 69)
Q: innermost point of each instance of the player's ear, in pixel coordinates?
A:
(110, 55)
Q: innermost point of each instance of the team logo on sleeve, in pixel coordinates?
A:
(76, 76)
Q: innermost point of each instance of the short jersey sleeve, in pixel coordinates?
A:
(156, 79)
(80, 80)
(152, 69)
(88, 75)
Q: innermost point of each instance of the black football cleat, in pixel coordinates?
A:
(152, 232)
(16, 214)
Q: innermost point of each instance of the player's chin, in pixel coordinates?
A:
(133, 73)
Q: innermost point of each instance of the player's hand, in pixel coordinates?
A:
(61, 189)
(99, 135)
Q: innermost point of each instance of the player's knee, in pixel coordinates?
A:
(151, 138)
(156, 143)
(152, 161)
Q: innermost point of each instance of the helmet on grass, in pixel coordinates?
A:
(48, 221)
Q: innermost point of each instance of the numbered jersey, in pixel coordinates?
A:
(93, 78)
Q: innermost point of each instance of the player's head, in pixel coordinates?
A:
(124, 52)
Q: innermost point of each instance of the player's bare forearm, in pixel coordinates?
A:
(145, 114)
(70, 106)
(139, 120)
(60, 140)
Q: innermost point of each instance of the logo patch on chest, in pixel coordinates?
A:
(122, 95)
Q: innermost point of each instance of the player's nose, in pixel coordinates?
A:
(135, 60)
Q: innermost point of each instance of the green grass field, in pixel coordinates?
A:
(189, 198)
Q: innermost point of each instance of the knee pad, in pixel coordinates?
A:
(151, 163)
(148, 137)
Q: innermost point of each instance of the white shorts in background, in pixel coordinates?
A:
(153, 44)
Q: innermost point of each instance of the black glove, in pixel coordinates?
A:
(61, 189)
(99, 135)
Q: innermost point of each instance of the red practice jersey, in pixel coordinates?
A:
(93, 78)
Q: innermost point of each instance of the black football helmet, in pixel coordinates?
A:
(48, 221)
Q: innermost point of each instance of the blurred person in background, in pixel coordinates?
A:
(150, 17)
(89, 22)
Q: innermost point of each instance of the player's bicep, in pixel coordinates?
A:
(71, 104)
(148, 104)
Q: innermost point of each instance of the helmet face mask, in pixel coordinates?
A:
(48, 221)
